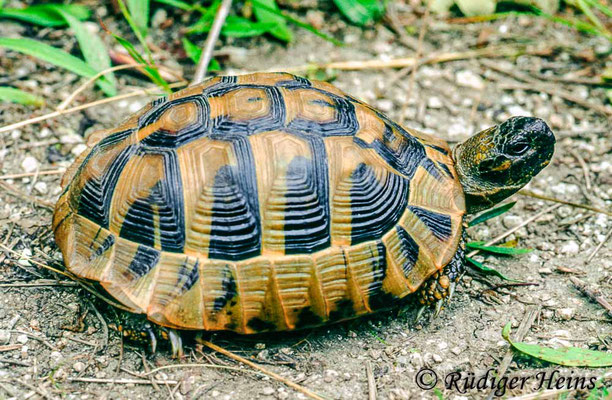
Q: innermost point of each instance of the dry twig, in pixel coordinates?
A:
(599, 246)
(594, 295)
(55, 114)
(529, 193)
(371, 382)
(12, 190)
(211, 39)
(530, 316)
(271, 374)
(27, 174)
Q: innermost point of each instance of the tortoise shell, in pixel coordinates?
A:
(259, 202)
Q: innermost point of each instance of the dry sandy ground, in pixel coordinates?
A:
(43, 353)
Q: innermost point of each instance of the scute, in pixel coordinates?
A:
(259, 202)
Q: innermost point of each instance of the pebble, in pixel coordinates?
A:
(437, 358)
(41, 187)
(78, 366)
(570, 247)
(159, 17)
(385, 105)
(29, 164)
(5, 336)
(566, 313)
(268, 391)
(545, 271)
(56, 356)
(78, 149)
(434, 102)
(71, 138)
(44, 132)
(468, 78)
(518, 110)
(23, 339)
(456, 350)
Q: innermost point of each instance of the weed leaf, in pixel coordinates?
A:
(508, 251)
(57, 57)
(494, 212)
(18, 96)
(361, 12)
(568, 356)
(483, 269)
(46, 14)
(280, 29)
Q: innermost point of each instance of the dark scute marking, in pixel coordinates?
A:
(97, 192)
(228, 285)
(254, 99)
(438, 148)
(68, 214)
(307, 318)
(236, 228)
(406, 157)
(409, 249)
(188, 278)
(225, 84)
(346, 123)
(275, 119)
(159, 101)
(446, 170)
(106, 244)
(344, 310)
(259, 325)
(164, 203)
(320, 102)
(306, 224)
(431, 168)
(439, 224)
(296, 83)
(165, 140)
(375, 206)
(144, 260)
(377, 297)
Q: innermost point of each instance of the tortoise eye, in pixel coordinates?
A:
(517, 148)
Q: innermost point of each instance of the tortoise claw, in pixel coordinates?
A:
(451, 290)
(152, 338)
(439, 305)
(176, 343)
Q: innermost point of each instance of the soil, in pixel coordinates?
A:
(53, 333)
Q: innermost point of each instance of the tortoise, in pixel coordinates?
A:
(269, 202)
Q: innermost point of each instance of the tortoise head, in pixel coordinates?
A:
(497, 162)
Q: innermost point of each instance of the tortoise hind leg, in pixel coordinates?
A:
(440, 287)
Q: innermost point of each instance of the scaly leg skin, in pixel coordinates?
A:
(441, 286)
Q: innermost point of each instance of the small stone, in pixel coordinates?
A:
(5, 336)
(437, 358)
(29, 164)
(44, 132)
(547, 314)
(41, 187)
(456, 350)
(268, 391)
(467, 78)
(159, 17)
(78, 149)
(23, 339)
(385, 105)
(518, 111)
(215, 393)
(545, 271)
(71, 138)
(570, 247)
(78, 366)
(566, 313)
(260, 346)
(434, 102)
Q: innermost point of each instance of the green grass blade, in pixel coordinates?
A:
(194, 52)
(241, 27)
(9, 94)
(280, 29)
(177, 4)
(137, 32)
(507, 251)
(55, 56)
(494, 212)
(584, 7)
(93, 49)
(568, 356)
(483, 269)
(45, 14)
(361, 12)
(139, 10)
(150, 70)
(301, 24)
(606, 10)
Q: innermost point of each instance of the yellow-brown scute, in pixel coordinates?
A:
(260, 202)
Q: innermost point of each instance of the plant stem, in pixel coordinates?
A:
(209, 45)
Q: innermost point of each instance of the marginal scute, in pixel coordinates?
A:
(258, 203)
